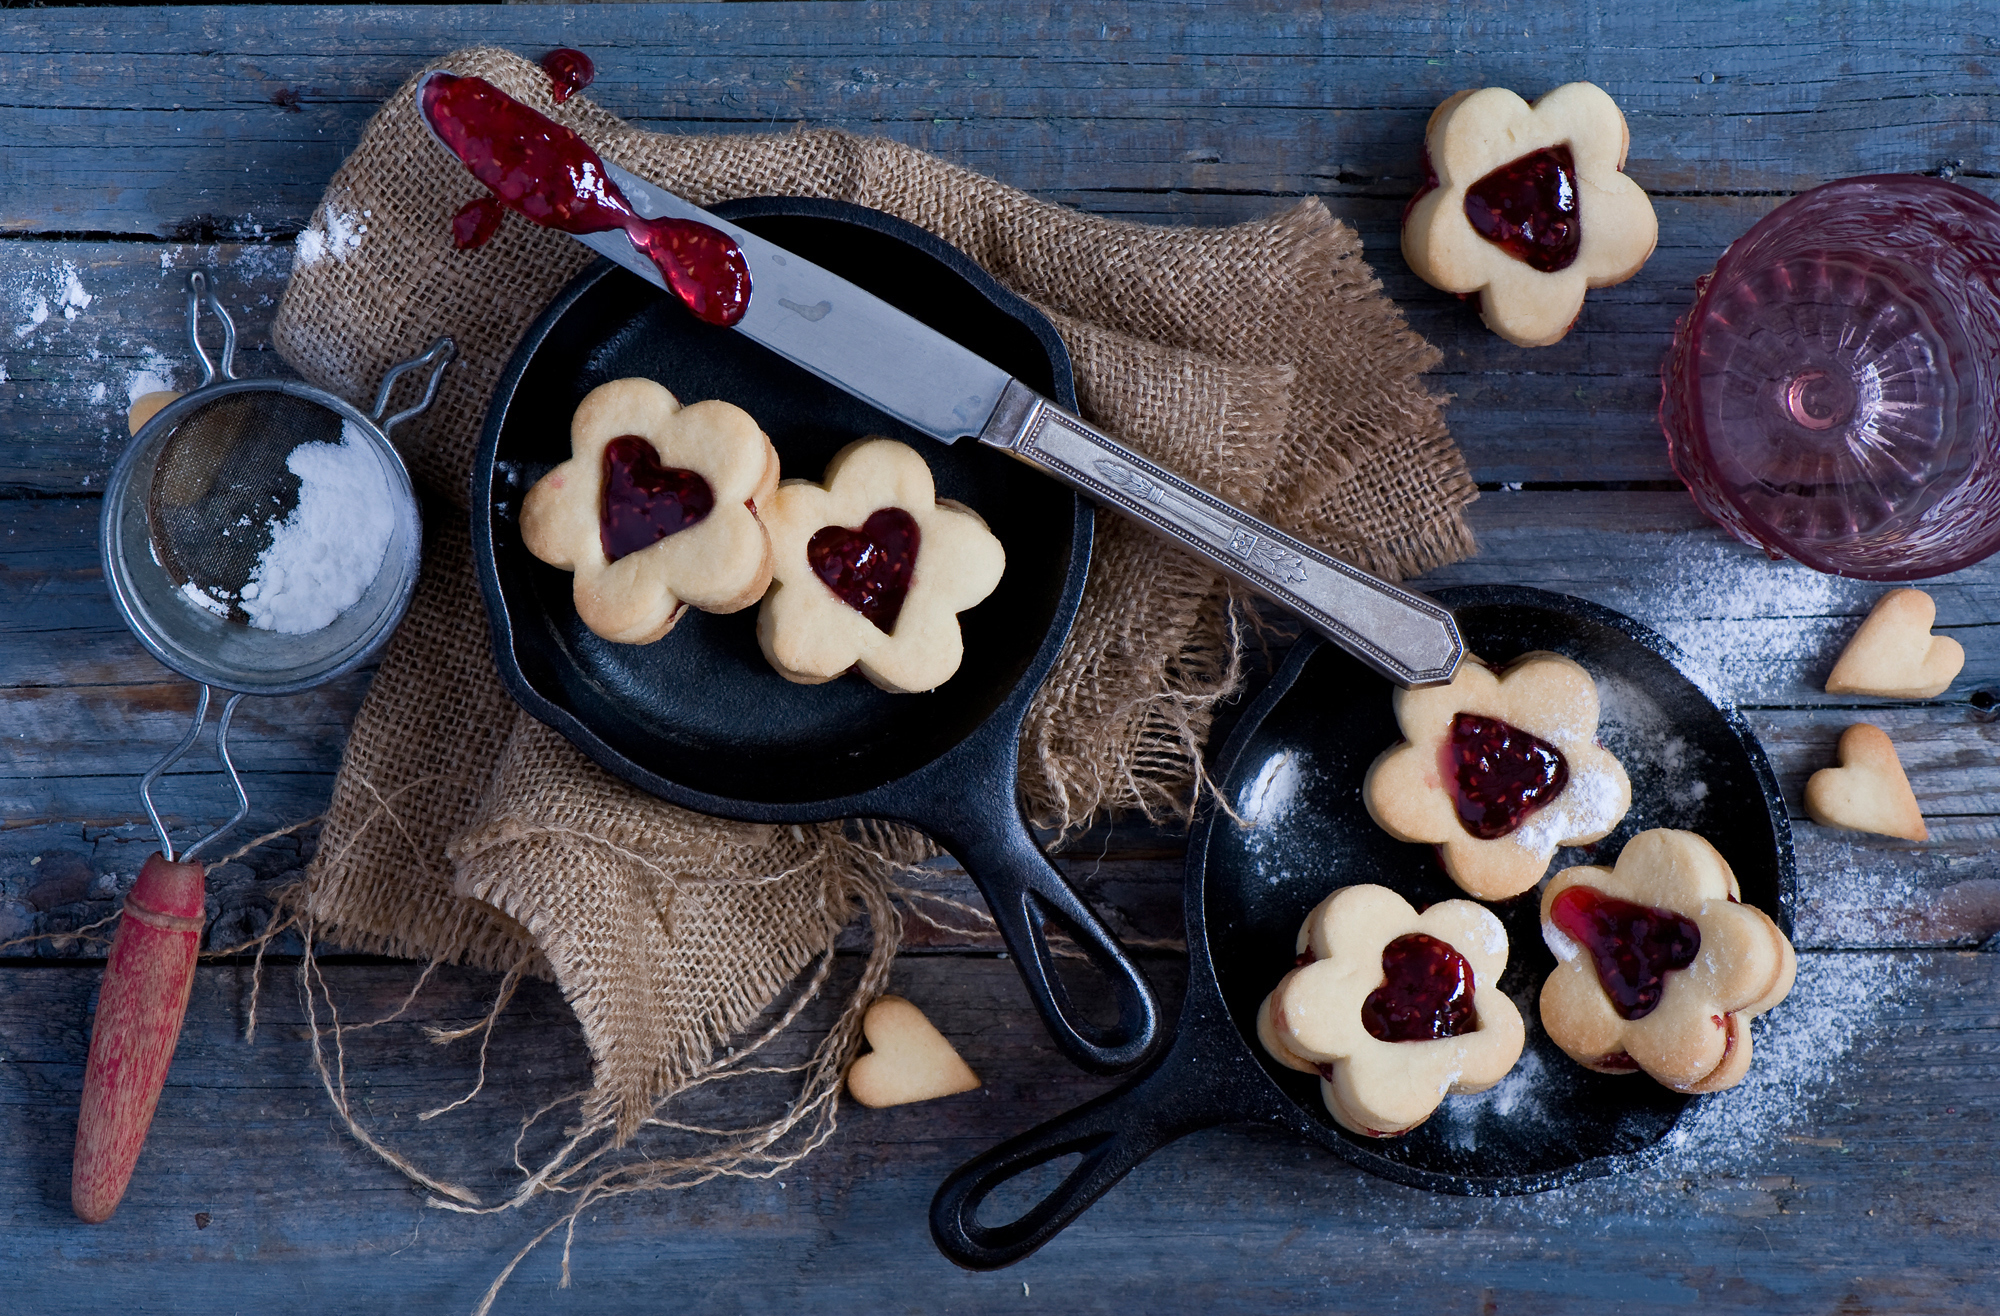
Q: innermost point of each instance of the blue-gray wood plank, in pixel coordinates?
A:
(1854, 1175)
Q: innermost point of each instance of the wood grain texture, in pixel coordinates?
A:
(1852, 1174)
(241, 111)
(1883, 1139)
(85, 711)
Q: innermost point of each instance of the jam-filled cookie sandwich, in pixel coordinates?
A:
(1526, 206)
(657, 510)
(870, 570)
(1393, 1009)
(1661, 966)
(1497, 770)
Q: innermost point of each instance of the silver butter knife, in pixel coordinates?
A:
(859, 343)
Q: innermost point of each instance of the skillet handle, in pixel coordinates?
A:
(1114, 1133)
(981, 824)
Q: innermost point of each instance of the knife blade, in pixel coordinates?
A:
(859, 343)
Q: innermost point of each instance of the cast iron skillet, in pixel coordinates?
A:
(699, 718)
(1293, 770)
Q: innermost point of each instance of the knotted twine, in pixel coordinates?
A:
(1261, 360)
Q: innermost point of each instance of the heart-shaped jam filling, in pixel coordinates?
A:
(1529, 209)
(1426, 992)
(1498, 774)
(1633, 946)
(869, 569)
(645, 501)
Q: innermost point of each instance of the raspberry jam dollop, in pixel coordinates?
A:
(570, 71)
(547, 174)
(475, 222)
(644, 499)
(1529, 209)
(1633, 946)
(1498, 774)
(869, 568)
(1426, 992)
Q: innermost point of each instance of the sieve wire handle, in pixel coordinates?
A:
(200, 289)
(437, 358)
(173, 756)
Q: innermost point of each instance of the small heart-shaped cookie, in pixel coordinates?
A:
(146, 406)
(911, 1060)
(1868, 791)
(1894, 655)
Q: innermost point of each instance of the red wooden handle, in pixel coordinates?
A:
(139, 1013)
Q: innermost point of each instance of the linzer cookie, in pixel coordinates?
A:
(656, 510)
(871, 570)
(1525, 206)
(1662, 967)
(1497, 770)
(1395, 1010)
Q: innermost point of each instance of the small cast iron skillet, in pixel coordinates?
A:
(1292, 770)
(699, 718)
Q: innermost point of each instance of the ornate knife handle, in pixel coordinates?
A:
(1405, 636)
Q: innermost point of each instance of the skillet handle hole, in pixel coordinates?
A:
(1011, 1200)
(1091, 996)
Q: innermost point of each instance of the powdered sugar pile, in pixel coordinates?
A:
(334, 232)
(61, 291)
(324, 555)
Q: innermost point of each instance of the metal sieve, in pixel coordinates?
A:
(191, 509)
(193, 502)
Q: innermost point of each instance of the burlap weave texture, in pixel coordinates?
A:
(1261, 360)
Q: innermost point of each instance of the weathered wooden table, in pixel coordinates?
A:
(1854, 1172)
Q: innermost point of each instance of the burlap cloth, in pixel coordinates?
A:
(1260, 359)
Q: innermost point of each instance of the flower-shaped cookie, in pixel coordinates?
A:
(1394, 1009)
(871, 569)
(1497, 770)
(1528, 207)
(1662, 965)
(656, 510)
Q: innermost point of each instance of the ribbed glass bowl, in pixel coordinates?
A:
(1834, 393)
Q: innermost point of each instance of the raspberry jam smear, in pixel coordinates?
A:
(644, 499)
(1633, 946)
(545, 173)
(1529, 209)
(1498, 774)
(1426, 992)
(570, 71)
(869, 568)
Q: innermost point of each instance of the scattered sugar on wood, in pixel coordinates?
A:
(1751, 627)
(155, 374)
(324, 555)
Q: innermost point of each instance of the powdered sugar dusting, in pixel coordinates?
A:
(324, 555)
(1559, 942)
(1588, 806)
(1751, 627)
(1837, 998)
(155, 374)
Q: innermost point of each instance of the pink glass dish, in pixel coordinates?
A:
(1834, 393)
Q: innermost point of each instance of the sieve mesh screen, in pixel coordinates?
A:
(222, 485)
